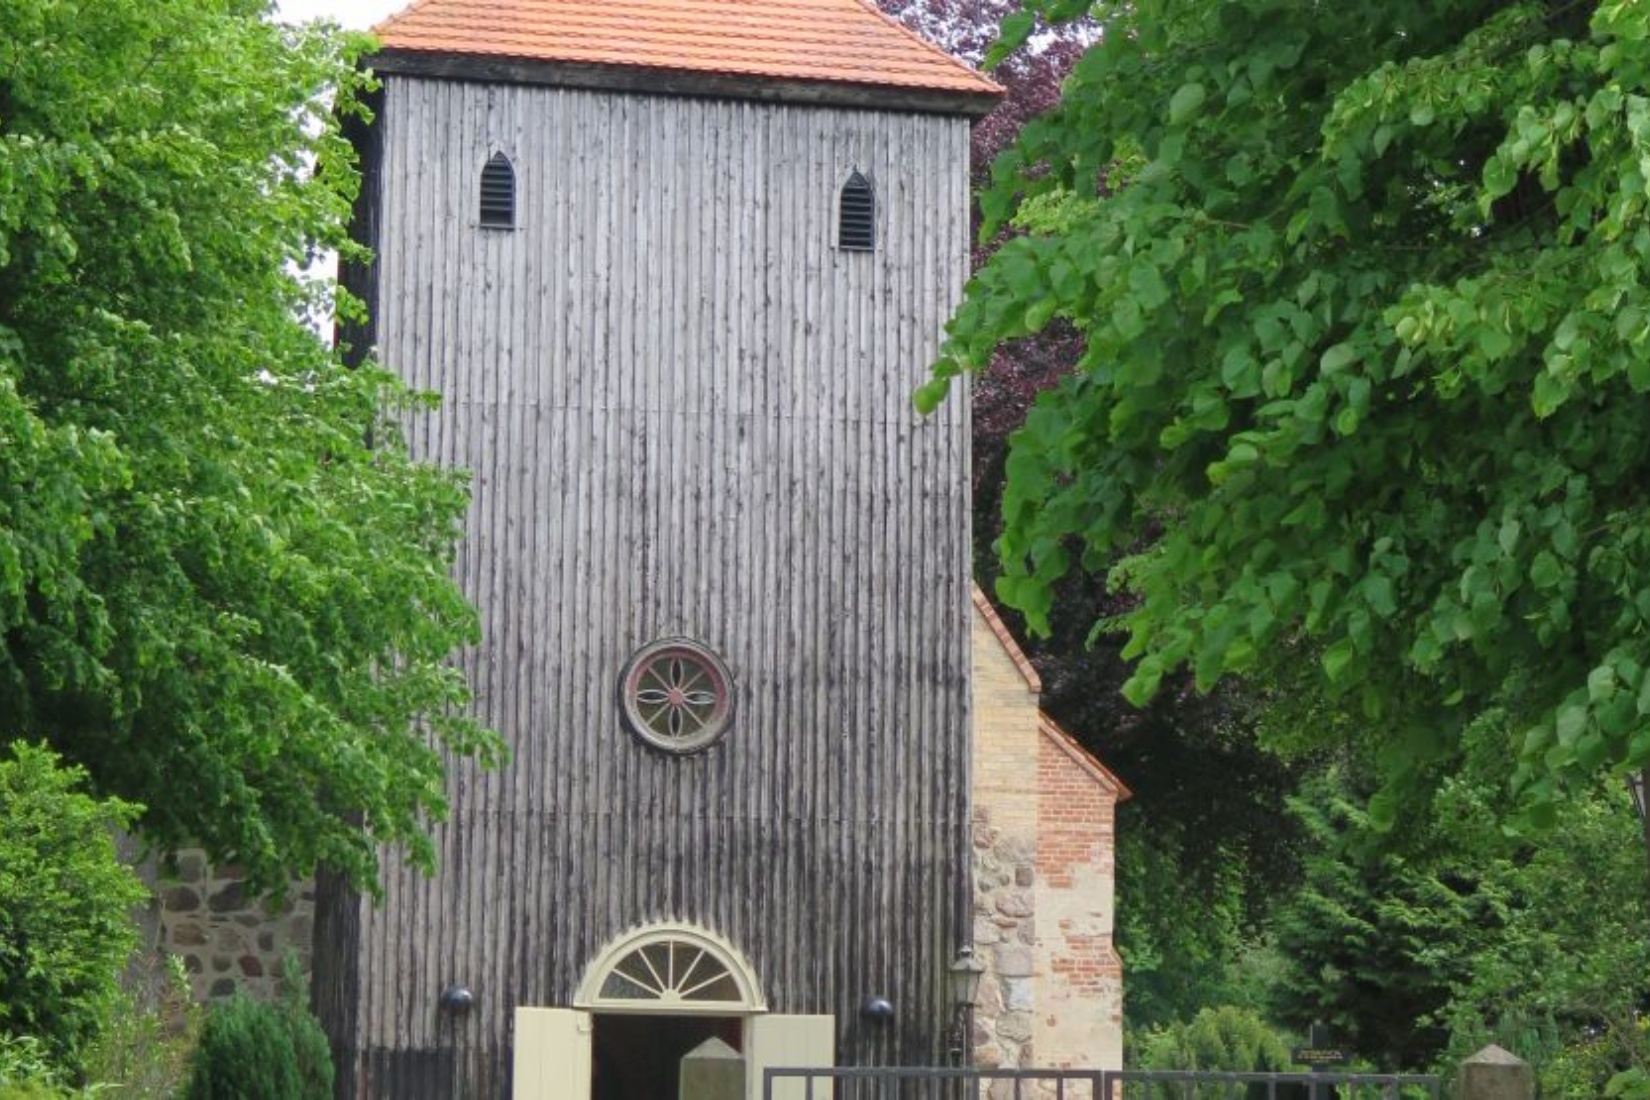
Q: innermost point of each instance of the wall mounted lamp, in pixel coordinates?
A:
(879, 1010)
(965, 974)
(456, 1000)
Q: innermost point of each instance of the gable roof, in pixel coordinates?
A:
(843, 42)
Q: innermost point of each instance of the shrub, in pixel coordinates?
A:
(31, 1090)
(144, 1053)
(1226, 1038)
(254, 1051)
(1223, 1039)
(66, 905)
(26, 1072)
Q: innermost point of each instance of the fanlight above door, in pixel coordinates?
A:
(674, 970)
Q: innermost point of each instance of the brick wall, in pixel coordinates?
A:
(1080, 992)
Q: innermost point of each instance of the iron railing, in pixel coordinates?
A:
(952, 1083)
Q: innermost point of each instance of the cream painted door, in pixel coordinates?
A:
(789, 1041)
(552, 1060)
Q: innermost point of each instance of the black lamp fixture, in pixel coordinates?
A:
(879, 1010)
(965, 972)
(456, 1000)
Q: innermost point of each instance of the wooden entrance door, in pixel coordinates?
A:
(555, 1048)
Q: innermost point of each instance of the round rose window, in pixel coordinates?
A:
(676, 695)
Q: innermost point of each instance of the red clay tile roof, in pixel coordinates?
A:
(839, 41)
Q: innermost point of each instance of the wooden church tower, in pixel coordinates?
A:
(675, 267)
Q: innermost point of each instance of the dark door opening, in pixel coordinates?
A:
(638, 1057)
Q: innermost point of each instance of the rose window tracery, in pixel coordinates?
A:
(676, 695)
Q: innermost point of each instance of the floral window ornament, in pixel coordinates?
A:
(676, 695)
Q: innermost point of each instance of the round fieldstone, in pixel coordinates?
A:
(181, 899)
(191, 867)
(1013, 903)
(186, 934)
(1015, 1026)
(1013, 960)
(228, 899)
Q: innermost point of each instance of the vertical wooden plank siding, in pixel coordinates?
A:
(687, 413)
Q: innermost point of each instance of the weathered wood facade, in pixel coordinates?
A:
(687, 413)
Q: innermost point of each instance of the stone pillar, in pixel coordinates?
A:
(712, 1071)
(1494, 1074)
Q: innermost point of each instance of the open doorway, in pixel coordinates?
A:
(638, 1057)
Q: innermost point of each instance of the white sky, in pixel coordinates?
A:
(356, 14)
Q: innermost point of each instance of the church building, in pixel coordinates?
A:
(675, 268)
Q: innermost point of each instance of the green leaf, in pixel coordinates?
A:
(1186, 101)
(1378, 591)
(1015, 30)
(1337, 358)
(927, 397)
(1545, 570)
(1337, 660)
(1570, 722)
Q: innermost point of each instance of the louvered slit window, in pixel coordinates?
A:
(857, 215)
(498, 193)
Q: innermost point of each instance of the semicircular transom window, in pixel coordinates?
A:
(676, 695)
(670, 970)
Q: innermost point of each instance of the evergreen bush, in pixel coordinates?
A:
(1225, 1039)
(254, 1051)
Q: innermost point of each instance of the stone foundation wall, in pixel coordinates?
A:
(228, 941)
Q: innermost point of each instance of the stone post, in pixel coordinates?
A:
(1494, 1074)
(712, 1071)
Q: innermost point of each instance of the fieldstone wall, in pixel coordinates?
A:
(228, 941)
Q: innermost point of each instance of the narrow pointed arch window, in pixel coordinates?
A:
(498, 193)
(857, 215)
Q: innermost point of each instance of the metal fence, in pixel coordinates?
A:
(944, 1083)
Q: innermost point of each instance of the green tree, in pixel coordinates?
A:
(1366, 353)
(223, 580)
(66, 906)
(1420, 944)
